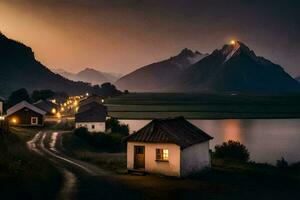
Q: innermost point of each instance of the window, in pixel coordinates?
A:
(93, 126)
(162, 154)
(34, 120)
(139, 149)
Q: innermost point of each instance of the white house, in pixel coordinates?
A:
(92, 116)
(173, 147)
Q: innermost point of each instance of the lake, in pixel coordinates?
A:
(267, 139)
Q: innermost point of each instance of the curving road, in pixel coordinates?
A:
(81, 180)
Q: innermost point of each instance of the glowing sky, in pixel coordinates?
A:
(122, 35)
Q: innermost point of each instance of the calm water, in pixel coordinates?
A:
(267, 139)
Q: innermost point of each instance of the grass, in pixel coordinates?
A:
(81, 149)
(64, 124)
(23, 174)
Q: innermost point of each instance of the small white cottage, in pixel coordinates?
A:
(92, 116)
(173, 147)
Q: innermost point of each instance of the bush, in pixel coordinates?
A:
(116, 127)
(104, 142)
(282, 163)
(233, 151)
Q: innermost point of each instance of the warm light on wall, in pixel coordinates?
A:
(14, 120)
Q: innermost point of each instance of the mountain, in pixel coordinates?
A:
(159, 75)
(64, 73)
(298, 78)
(89, 75)
(20, 69)
(235, 68)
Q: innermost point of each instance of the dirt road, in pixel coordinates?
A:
(81, 180)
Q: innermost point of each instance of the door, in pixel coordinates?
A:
(139, 157)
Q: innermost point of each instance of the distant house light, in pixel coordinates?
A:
(53, 110)
(58, 115)
(2, 118)
(75, 103)
(87, 94)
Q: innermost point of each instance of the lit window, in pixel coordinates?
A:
(162, 154)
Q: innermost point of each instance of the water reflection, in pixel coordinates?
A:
(232, 130)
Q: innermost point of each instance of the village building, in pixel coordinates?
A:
(93, 98)
(25, 114)
(49, 107)
(92, 116)
(172, 147)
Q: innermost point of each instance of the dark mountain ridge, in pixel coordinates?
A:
(20, 69)
(235, 68)
(159, 75)
(89, 75)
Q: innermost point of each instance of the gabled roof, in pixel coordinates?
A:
(172, 130)
(24, 104)
(90, 99)
(92, 106)
(45, 105)
(92, 112)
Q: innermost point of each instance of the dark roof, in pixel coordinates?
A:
(46, 105)
(92, 106)
(90, 99)
(92, 112)
(172, 130)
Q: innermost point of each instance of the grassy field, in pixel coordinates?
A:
(23, 174)
(114, 162)
(203, 106)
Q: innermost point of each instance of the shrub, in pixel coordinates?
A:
(116, 127)
(282, 163)
(101, 141)
(232, 150)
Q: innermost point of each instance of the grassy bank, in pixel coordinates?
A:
(81, 149)
(23, 174)
(226, 180)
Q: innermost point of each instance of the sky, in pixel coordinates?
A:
(122, 35)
